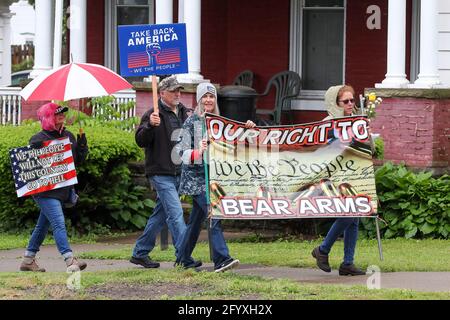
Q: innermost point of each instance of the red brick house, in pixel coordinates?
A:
(325, 41)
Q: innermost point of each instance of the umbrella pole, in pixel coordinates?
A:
(155, 94)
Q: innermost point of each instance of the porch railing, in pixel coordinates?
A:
(10, 106)
(121, 97)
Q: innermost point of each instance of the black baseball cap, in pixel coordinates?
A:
(61, 109)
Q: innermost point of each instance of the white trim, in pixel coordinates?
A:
(57, 37)
(429, 73)
(110, 54)
(295, 29)
(309, 99)
(109, 17)
(164, 11)
(78, 30)
(344, 43)
(415, 41)
(396, 45)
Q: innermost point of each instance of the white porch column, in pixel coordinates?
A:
(57, 38)
(395, 76)
(180, 11)
(5, 59)
(78, 30)
(428, 72)
(43, 38)
(192, 18)
(164, 11)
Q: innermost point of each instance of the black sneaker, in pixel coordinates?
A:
(145, 262)
(350, 270)
(194, 264)
(197, 263)
(227, 265)
(321, 259)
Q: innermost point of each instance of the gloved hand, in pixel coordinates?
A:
(81, 140)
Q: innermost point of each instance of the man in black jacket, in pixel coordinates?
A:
(158, 134)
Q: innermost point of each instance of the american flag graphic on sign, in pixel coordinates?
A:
(36, 170)
(138, 59)
(141, 59)
(171, 55)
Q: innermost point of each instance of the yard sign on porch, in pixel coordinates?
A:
(151, 50)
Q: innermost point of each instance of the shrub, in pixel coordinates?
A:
(24, 65)
(106, 113)
(413, 205)
(379, 148)
(107, 194)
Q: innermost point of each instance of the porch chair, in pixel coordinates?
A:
(245, 78)
(287, 86)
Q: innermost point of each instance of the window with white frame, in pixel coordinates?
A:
(124, 12)
(317, 44)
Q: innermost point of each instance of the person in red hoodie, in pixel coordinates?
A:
(51, 202)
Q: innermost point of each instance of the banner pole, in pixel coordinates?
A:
(380, 249)
(155, 94)
(208, 200)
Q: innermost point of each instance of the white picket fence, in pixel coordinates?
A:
(10, 106)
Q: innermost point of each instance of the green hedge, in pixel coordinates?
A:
(107, 195)
(413, 204)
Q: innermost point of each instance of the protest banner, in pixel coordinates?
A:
(36, 170)
(153, 49)
(314, 170)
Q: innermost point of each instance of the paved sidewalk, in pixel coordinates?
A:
(418, 281)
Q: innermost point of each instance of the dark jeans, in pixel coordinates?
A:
(190, 237)
(347, 226)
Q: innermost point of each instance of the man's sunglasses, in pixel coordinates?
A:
(346, 101)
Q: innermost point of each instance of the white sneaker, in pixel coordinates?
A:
(227, 265)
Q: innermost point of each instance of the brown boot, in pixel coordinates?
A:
(321, 259)
(29, 264)
(74, 265)
(350, 270)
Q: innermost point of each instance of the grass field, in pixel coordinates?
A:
(177, 284)
(399, 254)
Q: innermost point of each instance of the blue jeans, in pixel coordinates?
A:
(348, 226)
(168, 209)
(189, 240)
(51, 215)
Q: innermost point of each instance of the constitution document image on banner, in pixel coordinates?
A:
(153, 49)
(37, 170)
(313, 170)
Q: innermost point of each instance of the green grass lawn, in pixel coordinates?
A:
(399, 254)
(15, 241)
(179, 284)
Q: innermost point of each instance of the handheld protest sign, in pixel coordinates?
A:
(153, 49)
(36, 170)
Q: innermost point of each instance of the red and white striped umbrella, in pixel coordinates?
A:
(74, 81)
